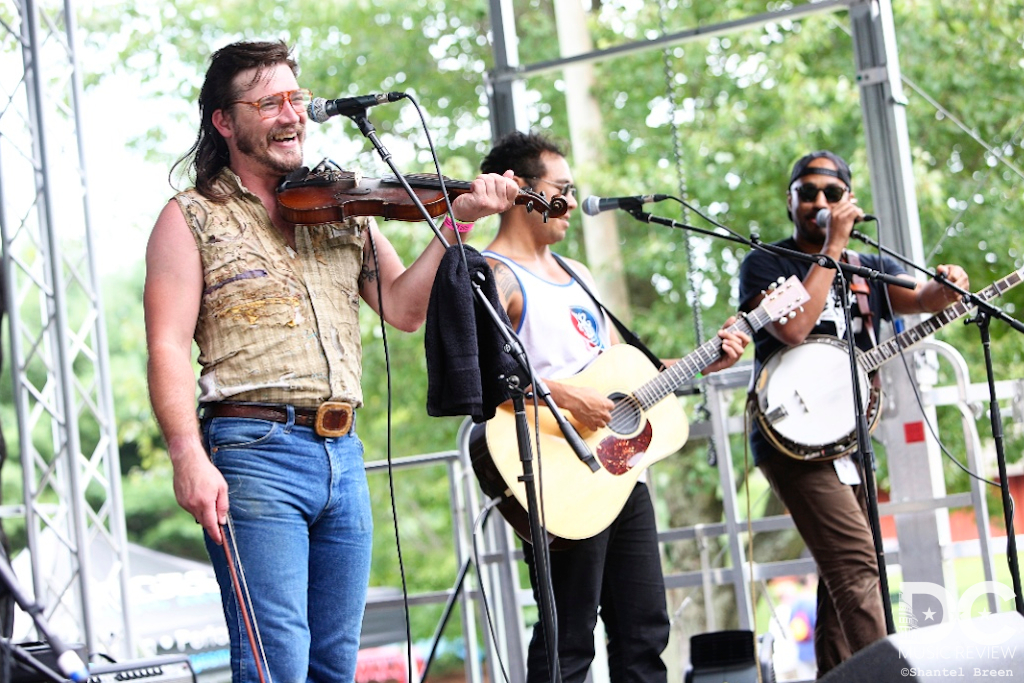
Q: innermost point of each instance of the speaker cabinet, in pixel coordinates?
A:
(728, 657)
(986, 648)
(165, 669)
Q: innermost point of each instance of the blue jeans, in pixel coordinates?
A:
(300, 507)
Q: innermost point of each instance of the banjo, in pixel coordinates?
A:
(810, 415)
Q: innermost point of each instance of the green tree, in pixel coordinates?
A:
(744, 106)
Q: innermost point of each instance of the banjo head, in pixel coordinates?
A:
(805, 397)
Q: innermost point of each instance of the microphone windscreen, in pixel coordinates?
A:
(823, 217)
(317, 110)
(591, 205)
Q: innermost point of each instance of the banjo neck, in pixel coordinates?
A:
(889, 349)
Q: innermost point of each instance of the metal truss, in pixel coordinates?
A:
(66, 435)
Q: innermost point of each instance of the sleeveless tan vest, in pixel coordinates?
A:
(275, 326)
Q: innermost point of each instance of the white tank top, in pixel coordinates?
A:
(561, 327)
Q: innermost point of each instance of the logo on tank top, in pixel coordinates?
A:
(586, 324)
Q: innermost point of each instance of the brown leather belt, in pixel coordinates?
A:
(331, 419)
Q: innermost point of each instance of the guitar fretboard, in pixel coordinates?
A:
(687, 368)
(871, 360)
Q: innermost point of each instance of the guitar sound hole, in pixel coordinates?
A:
(626, 415)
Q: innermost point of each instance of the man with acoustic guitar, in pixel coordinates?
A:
(824, 496)
(617, 571)
(274, 309)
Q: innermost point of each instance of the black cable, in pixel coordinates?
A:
(388, 449)
(440, 178)
(920, 403)
(483, 594)
(390, 402)
(917, 393)
(387, 363)
(461, 246)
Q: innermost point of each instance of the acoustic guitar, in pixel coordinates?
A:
(577, 503)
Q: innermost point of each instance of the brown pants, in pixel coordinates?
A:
(832, 519)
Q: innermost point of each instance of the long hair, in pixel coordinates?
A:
(209, 153)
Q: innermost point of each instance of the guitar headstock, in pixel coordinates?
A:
(784, 298)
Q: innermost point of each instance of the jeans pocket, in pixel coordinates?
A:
(234, 432)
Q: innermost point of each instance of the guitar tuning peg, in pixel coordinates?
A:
(783, 320)
(792, 315)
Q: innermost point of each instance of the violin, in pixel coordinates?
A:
(327, 194)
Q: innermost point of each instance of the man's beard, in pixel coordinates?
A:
(259, 150)
(809, 233)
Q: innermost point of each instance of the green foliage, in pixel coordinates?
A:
(153, 518)
(741, 108)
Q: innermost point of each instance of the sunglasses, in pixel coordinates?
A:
(808, 192)
(566, 190)
(271, 105)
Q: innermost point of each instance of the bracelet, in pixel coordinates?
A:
(458, 226)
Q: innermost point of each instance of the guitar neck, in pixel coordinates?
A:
(886, 351)
(687, 368)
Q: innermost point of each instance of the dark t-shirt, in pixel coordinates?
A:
(760, 269)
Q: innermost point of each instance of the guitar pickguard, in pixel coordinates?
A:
(620, 455)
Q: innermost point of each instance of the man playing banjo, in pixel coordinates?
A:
(824, 496)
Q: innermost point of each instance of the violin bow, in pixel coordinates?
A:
(244, 600)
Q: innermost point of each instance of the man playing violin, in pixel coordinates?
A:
(616, 573)
(273, 308)
(825, 497)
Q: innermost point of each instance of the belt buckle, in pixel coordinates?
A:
(333, 419)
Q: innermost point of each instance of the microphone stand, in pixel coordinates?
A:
(26, 659)
(985, 312)
(67, 660)
(864, 448)
(579, 447)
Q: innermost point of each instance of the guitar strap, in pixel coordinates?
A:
(861, 288)
(627, 335)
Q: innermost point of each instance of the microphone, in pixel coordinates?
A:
(825, 216)
(320, 109)
(594, 205)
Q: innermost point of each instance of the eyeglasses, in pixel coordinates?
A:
(566, 190)
(808, 192)
(270, 106)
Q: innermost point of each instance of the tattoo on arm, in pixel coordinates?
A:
(367, 275)
(508, 285)
(369, 271)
